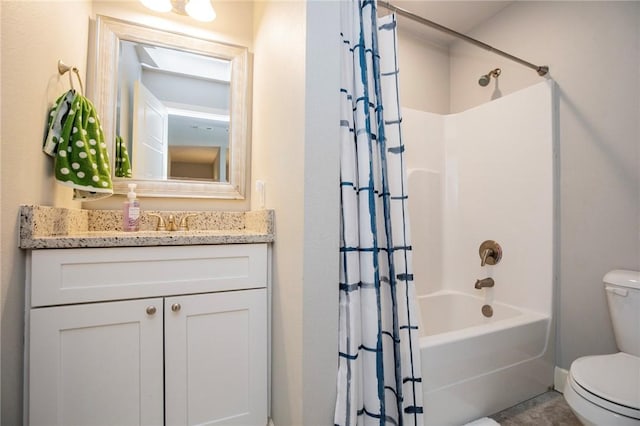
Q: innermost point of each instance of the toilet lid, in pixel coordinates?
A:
(630, 279)
(614, 378)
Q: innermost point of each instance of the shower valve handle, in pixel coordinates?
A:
(490, 253)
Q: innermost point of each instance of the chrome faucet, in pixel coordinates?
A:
(487, 282)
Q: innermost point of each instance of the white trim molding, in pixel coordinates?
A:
(560, 378)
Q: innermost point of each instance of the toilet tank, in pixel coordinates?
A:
(623, 297)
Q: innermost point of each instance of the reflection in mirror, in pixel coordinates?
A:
(174, 108)
(185, 93)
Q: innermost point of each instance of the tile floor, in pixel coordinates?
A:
(548, 409)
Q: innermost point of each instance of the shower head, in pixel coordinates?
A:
(486, 78)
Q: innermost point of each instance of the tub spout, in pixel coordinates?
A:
(487, 282)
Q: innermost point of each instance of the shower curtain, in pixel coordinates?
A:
(379, 377)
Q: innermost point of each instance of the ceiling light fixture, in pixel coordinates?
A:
(158, 5)
(200, 10)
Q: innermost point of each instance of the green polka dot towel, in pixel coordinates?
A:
(123, 165)
(76, 141)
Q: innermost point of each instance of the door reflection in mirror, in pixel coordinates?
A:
(173, 112)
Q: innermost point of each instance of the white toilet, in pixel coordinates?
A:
(604, 390)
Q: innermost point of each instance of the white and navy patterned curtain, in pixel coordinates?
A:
(379, 377)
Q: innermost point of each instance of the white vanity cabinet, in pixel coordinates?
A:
(147, 335)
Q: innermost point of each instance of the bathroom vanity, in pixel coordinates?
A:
(159, 334)
(154, 327)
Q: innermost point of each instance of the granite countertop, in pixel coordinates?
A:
(43, 227)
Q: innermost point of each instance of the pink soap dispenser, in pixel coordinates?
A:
(131, 211)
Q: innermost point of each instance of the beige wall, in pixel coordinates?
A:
(34, 37)
(295, 152)
(593, 50)
(424, 73)
(278, 156)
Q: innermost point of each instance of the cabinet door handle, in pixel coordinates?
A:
(175, 307)
(151, 310)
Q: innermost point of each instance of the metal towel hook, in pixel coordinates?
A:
(64, 68)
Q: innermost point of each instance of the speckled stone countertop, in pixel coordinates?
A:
(44, 227)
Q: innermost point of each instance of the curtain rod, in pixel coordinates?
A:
(541, 70)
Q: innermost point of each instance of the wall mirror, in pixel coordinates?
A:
(173, 110)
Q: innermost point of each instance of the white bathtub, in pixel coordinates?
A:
(473, 366)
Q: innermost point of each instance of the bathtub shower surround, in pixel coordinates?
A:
(483, 174)
(379, 365)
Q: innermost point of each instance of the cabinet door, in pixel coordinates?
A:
(216, 359)
(96, 364)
